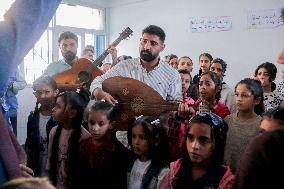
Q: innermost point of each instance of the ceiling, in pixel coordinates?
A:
(104, 3)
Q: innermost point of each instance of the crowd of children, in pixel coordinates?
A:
(211, 137)
(200, 146)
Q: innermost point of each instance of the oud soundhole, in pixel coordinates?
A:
(84, 76)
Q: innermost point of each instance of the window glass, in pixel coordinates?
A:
(69, 15)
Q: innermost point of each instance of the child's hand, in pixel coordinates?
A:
(26, 171)
(185, 110)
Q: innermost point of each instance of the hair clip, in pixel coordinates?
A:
(138, 117)
(155, 122)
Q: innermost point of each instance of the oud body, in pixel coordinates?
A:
(135, 98)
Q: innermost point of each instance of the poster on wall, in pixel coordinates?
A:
(211, 24)
(270, 18)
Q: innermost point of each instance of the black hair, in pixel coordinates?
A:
(155, 30)
(271, 70)
(282, 14)
(219, 130)
(105, 107)
(172, 56)
(276, 114)
(255, 88)
(222, 62)
(67, 35)
(209, 56)
(185, 72)
(185, 57)
(47, 80)
(78, 102)
(123, 57)
(217, 81)
(155, 135)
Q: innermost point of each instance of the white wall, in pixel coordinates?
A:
(241, 48)
(27, 102)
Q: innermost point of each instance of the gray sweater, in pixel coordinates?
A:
(240, 133)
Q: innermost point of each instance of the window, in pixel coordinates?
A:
(79, 17)
(67, 18)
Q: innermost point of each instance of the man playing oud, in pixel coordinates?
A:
(149, 69)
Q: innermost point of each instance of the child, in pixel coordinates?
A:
(185, 63)
(39, 125)
(210, 86)
(243, 125)
(149, 143)
(178, 123)
(103, 159)
(204, 64)
(219, 66)
(201, 164)
(266, 73)
(64, 139)
(173, 61)
(272, 119)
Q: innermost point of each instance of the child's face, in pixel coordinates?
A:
(204, 63)
(268, 125)
(199, 143)
(185, 64)
(45, 94)
(244, 98)
(185, 82)
(217, 68)
(140, 143)
(58, 112)
(263, 76)
(106, 67)
(174, 63)
(98, 124)
(207, 88)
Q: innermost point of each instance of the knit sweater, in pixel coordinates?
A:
(241, 131)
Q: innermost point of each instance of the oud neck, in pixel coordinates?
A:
(105, 53)
(170, 106)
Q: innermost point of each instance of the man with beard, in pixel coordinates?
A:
(149, 68)
(68, 44)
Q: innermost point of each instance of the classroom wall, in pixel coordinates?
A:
(241, 48)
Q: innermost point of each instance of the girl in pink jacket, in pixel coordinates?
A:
(201, 164)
